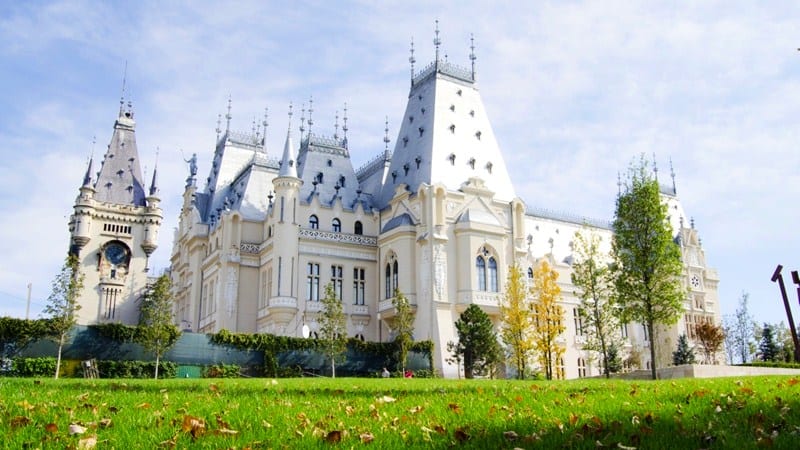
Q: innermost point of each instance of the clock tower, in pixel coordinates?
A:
(114, 230)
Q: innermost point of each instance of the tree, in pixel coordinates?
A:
(516, 313)
(683, 354)
(710, 337)
(783, 337)
(548, 317)
(767, 347)
(62, 304)
(403, 327)
(477, 341)
(647, 260)
(157, 332)
(743, 333)
(613, 362)
(333, 327)
(592, 276)
(730, 345)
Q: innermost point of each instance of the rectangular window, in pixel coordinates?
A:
(578, 321)
(336, 280)
(646, 336)
(312, 282)
(358, 286)
(623, 330)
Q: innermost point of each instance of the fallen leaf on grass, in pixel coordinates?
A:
(510, 435)
(225, 432)
(20, 421)
(439, 429)
(792, 381)
(193, 425)
(25, 405)
(461, 434)
(386, 399)
(88, 442)
(573, 419)
(51, 428)
(74, 428)
(221, 423)
(366, 438)
(416, 409)
(333, 437)
(105, 423)
(144, 405)
(455, 408)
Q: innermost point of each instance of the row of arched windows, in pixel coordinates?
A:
(336, 225)
(486, 269)
(391, 280)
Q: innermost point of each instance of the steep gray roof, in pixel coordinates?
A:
(120, 177)
(325, 167)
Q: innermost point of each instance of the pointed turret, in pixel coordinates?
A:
(153, 185)
(87, 179)
(288, 166)
(446, 136)
(120, 178)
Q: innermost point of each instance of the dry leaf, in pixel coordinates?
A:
(193, 425)
(74, 428)
(225, 432)
(366, 438)
(510, 435)
(221, 423)
(461, 434)
(792, 381)
(213, 388)
(88, 442)
(415, 409)
(573, 419)
(349, 410)
(144, 405)
(105, 423)
(455, 408)
(113, 409)
(386, 399)
(51, 428)
(625, 447)
(83, 397)
(266, 424)
(20, 421)
(334, 437)
(439, 429)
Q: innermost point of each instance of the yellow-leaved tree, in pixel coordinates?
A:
(516, 314)
(548, 317)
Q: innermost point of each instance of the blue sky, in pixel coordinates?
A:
(575, 92)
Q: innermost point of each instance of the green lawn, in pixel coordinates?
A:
(743, 412)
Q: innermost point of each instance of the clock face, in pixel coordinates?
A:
(695, 281)
(116, 254)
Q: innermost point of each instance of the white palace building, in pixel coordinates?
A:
(436, 217)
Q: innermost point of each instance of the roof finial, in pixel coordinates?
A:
(472, 56)
(672, 174)
(228, 116)
(386, 135)
(310, 112)
(302, 122)
(619, 184)
(219, 123)
(411, 59)
(336, 126)
(265, 124)
(153, 184)
(437, 41)
(655, 166)
(253, 129)
(344, 127)
(290, 119)
(122, 95)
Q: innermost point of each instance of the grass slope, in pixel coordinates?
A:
(400, 413)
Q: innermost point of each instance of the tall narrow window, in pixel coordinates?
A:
(493, 275)
(581, 368)
(480, 267)
(337, 226)
(395, 276)
(646, 334)
(623, 330)
(313, 222)
(576, 317)
(388, 281)
(358, 228)
(312, 282)
(336, 280)
(359, 282)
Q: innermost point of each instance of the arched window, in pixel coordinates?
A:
(480, 267)
(391, 276)
(358, 228)
(337, 226)
(492, 275)
(530, 273)
(394, 276)
(313, 222)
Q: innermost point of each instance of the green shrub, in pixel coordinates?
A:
(221, 371)
(136, 369)
(777, 364)
(35, 367)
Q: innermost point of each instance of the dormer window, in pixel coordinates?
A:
(318, 178)
(419, 97)
(405, 168)
(423, 110)
(478, 135)
(405, 141)
(472, 113)
(330, 163)
(452, 159)
(394, 176)
(410, 119)
(472, 163)
(341, 180)
(452, 129)
(458, 92)
(421, 131)
(452, 108)
(418, 160)
(489, 167)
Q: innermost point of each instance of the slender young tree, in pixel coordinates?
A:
(683, 354)
(767, 347)
(62, 304)
(548, 317)
(477, 341)
(517, 325)
(157, 331)
(710, 338)
(743, 329)
(333, 327)
(591, 275)
(730, 344)
(403, 327)
(647, 260)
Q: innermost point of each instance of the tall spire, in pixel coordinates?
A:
(265, 124)
(310, 112)
(219, 123)
(344, 127)
(122, 95)
(288, 168)
(386, 139)
(87, 178)
(153, 184)
(302, 121)
(336, 126)
(472, 56)
(672, 174)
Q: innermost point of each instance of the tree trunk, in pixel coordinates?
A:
(58, 359)
(157, 359)
(333, 367)
(652, 349)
